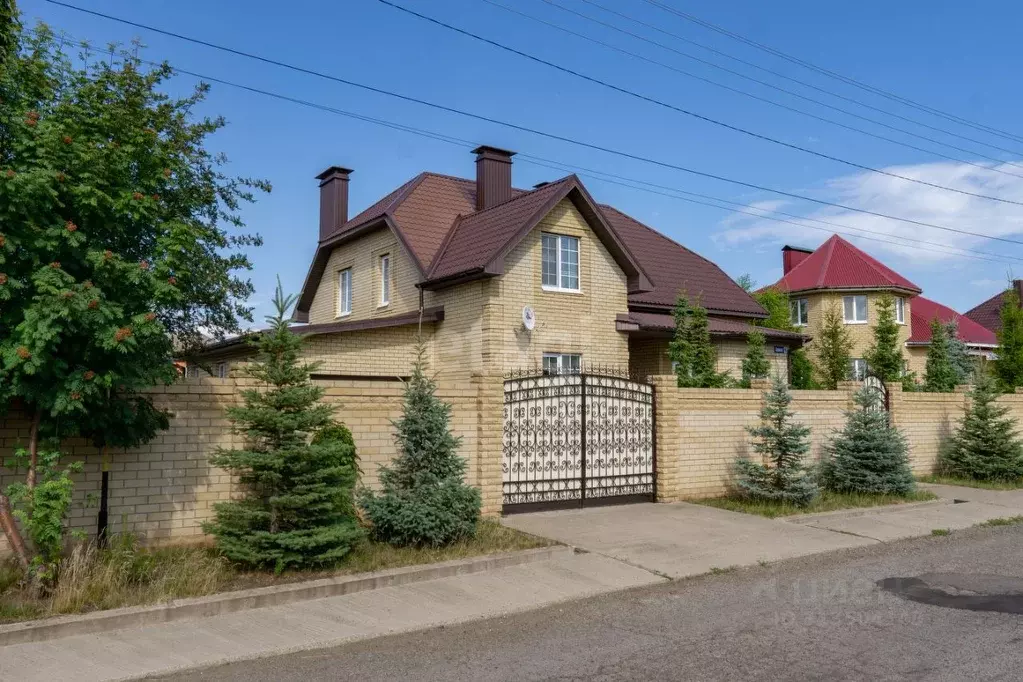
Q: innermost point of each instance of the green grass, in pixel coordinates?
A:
(1002, 521)
(941, 532)
(826, 501)
(126, 574)
(971, 483)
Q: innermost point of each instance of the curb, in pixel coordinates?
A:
(241, 600)
(802, 519)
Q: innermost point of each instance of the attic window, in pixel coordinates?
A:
(344, 292)
(560, 262)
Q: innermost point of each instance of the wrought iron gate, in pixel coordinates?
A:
(881, 399)
(577, 439)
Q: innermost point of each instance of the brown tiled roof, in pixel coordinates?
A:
(989, 313)
(717, 326)
(674, 269)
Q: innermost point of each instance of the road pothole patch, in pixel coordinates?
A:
(970, 591)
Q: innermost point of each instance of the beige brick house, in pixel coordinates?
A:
(839, 276)
(463, 261)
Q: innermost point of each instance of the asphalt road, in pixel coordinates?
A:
(822, 617)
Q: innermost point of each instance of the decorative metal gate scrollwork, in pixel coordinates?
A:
(577, 439)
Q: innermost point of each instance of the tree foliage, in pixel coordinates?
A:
(1009, 365)
(755, 364)
(986, 445)
(963, 363)
(869, 455)
(691, 351)
(833, 347)
(884, 357)
(118, 238)
(940, 376)
(784, 446)
(801, 370)
(297, 511)
(424, 500)
(776, 303)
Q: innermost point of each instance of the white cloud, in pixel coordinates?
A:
(895, 197)
(987, 283)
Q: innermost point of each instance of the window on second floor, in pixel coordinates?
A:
(857, 369)
(385, 279)
(560, 262)
(562, 363)
(900, 310)
(800, 312)
(344, 292)
(855, 309)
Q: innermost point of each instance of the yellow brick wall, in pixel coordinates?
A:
(385, 352)
(363, 257)
(649, 356)
(566, 322)
(862, 335)
(732, 351)
(458, 340)
(917, 358)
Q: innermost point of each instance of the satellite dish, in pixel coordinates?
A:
(528, 318)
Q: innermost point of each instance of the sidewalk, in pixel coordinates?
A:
(620, 548)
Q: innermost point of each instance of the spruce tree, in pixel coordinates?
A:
(985, 445)
(1009, 365)
(869, 455)
(784, 444)
(424, 499)
(691, 350)
(755, 364)
(801, 370)
(959, 355)
(939, 374)
(833, 347)
(297, 510)
(885, 356)
(680, 348)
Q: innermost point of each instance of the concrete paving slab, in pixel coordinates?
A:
(895, 524)
(1012, 499)
(679, 540)
(243, 635)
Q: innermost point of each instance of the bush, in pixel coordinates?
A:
(784, 445)
(424, 499)
(985, 446)
(339, 433)
(869, 455)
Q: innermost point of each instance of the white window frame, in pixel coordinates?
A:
(344, 292)
(799, 312)
(855, 319)
(223, 370)
(562, 241)
(191, 371)
(562, 363)
(900, 310)
(385, 279)
(857, 369)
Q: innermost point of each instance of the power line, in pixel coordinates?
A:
(832, 74)
(541, 133)
(687, 112)
(764, 83)
(791, 79)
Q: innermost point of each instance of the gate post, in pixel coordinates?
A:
(489, 439)
(667, 438)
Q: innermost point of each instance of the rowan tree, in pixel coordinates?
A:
(119, 237)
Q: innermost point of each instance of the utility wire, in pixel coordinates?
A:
(791, 79)
(832, 74)
(764, 83)
(541, 133)
(687, 112)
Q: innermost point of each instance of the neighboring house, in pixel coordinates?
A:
(465, 260)
(841, 276)
(989, 313)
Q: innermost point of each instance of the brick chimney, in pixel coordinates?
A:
(493, 176)
(333, 199)
(791, 256)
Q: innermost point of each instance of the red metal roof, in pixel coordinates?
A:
(837, 264)
(923, 310)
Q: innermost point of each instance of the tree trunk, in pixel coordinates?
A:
(10, 529)
(33, 450)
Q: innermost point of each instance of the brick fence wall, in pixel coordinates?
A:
(163, 491)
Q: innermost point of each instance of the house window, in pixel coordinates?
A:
(800, 312)
(222, 370)
(344, 292)
(900, 310)
(560, 262)
(192, 372)
(855, 308)
(562, 363)
(385, 279)
(857, 369)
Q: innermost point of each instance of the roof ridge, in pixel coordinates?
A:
(828, 255)
(525, 193)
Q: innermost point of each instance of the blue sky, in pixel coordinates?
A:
(952, 56)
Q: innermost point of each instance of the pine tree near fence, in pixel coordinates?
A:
(869, 455)
(885, 356)
(297, 511)
(755, 364)
(940, 375)
(986, 444)
(691, 351)
(959, 355)
(833, 347)
(784, 444)
(424, 500)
